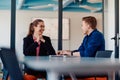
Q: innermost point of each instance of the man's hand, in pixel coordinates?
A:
(64, 52)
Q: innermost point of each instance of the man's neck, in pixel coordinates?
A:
(90, 31)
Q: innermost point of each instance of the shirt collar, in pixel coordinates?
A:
(92, 32)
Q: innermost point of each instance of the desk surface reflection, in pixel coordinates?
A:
(56, 65)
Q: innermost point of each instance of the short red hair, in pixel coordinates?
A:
(91, 21)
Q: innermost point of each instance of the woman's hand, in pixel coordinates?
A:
(64, 52)
(42, 39)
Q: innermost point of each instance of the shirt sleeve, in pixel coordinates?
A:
(81, 49)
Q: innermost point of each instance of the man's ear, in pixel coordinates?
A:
(88, 26)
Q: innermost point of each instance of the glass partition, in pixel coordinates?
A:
(27, 11)
(5, 17)
(74, 10)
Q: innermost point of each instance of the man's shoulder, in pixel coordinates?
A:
(97, 33)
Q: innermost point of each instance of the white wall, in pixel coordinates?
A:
(109, 26)
(4, 28)
(23, 18)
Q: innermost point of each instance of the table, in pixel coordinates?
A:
(57, 65)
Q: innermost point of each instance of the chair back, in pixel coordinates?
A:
(104, 54)
(11, 64)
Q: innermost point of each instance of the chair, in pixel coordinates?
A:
(11, 64)
(5, 74)
(99, 54)
(104, 54)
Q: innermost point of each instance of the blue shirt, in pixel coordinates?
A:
(91, 44)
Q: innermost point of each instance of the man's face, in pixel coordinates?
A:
(85, 27)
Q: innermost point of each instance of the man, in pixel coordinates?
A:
(92, 42)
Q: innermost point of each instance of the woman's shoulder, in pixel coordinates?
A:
(46, 37)
(28, 37)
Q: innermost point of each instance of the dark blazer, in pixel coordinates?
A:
(29, 49)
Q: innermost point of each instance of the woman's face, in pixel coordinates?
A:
(85, 27)
(39, 29)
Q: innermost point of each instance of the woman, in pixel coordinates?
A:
(36, 44)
